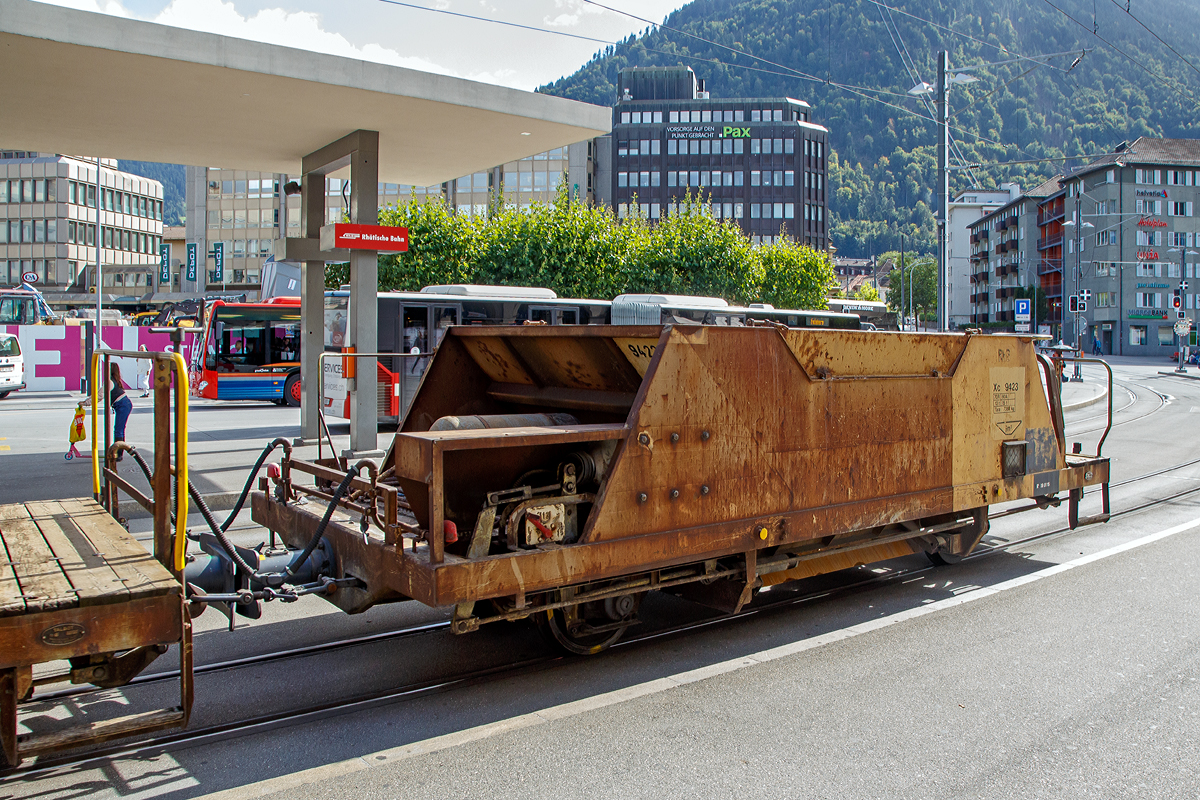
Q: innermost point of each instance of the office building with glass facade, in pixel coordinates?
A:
(760, 162)
(48, 226)
(247, 211)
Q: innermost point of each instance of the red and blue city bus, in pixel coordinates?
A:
(250, 351)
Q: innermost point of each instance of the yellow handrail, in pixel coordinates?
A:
(181, 460)
(95, 382)
(182, 391)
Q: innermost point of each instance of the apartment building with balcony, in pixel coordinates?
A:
(1122, 228)
(1002, 267)
(962, 213)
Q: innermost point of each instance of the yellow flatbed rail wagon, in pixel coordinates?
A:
(562, 472)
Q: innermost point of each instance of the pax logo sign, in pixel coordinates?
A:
(364, 237)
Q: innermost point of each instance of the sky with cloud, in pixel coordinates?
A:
(409, 34)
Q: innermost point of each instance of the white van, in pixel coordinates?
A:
(12, 365)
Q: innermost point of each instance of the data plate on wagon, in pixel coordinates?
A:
(1008, 402)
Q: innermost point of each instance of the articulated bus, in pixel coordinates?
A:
(412, 324)
(250, 351)
(660, 309)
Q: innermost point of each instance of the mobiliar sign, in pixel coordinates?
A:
(364, 237)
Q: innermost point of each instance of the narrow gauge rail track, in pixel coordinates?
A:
(410, 691)
(341, 644)
(1159, 396)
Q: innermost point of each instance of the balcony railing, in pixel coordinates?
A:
(1005, 292)
(1006, 269)
(1004, 316)
(1048, 267)
(1047, 242)
(1047, 215)
(978, 318)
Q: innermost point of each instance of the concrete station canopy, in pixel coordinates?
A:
(84, 83)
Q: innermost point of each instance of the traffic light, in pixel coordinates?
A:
(1073, 304)
(1176, 300)
(1082, 306)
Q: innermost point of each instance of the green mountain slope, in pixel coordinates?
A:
(884, 158)
(172, 178)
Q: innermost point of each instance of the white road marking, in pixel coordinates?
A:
(296, 780)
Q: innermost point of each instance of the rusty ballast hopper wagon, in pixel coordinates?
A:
(562, 472)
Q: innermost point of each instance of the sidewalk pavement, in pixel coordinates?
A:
(225, 439)
(1079, 395)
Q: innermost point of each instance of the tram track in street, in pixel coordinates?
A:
(418, 689)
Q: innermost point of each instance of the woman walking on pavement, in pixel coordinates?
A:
(119, 402)
(143, 373)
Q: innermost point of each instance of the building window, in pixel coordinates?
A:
(739, 178)
(789, 176)
(779, 177)
(739, 210)
(1166, 336)
(789, 210)
(673, 116)
(789, 146)
(755, 178)
(1149, 300)
(755, 211)
(756, 147)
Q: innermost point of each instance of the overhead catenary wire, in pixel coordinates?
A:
(1179, 88)
(450, 13)
(1164, 43)
(910, 66)
(862, 91)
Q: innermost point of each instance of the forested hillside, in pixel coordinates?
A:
(172, 178)
(884, 159)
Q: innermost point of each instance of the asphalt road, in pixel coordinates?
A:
(1066, 667)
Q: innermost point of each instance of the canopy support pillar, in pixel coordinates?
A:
(360, 152)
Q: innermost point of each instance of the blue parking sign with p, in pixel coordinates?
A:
(1021, 307)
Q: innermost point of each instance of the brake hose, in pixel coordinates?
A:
(274, 578)
(319, 533)
(218, 530)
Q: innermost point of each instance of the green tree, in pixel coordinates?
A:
(583, 251)
(795, 276)
(867, 293)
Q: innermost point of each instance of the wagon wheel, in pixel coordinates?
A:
(943, 559)
(569, 628)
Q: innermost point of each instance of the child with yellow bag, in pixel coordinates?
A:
(78, 434)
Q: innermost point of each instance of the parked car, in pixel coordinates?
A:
(12, 365)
